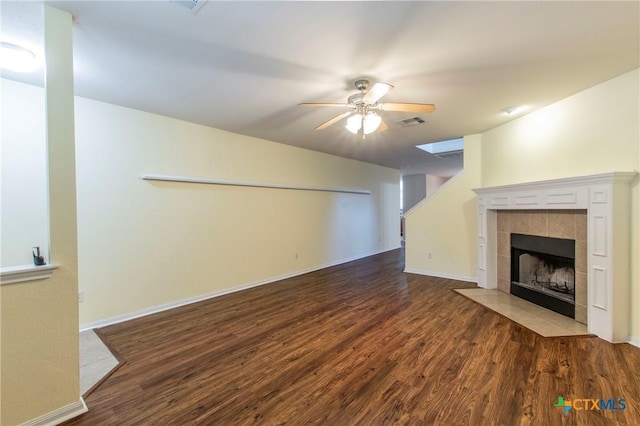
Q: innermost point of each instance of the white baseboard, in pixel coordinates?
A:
(441, 275)
(634, 342)
(190, 300)
(60, 415)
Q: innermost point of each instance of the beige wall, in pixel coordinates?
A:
(39, 319)
(441, 231)
(145, 244)
(594, 131)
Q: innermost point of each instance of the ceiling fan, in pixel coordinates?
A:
(364, 107)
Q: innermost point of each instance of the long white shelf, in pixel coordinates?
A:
(16, 274)
(187, 179)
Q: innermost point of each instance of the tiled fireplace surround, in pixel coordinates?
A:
(593, 210)
(568, 224)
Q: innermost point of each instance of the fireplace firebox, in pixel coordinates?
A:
(543, 272)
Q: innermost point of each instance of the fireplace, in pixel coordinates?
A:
(543, 272)
(603, 257)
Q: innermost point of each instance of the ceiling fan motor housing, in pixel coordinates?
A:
(362, 85)
(356, 99)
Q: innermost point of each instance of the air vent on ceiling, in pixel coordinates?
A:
(193, 5)
(450, 154)
(410, 122)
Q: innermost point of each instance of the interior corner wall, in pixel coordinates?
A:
(434, 182)
(144, 244)
(441, 231)
(414, 190)
(594, 131)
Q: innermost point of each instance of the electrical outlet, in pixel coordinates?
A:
(429, 256)
(81, 296)
(296, 256)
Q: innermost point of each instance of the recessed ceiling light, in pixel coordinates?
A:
(513, 110)
(17, 58)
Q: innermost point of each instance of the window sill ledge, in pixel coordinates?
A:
(16, 274)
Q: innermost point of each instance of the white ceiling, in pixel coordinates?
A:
(244, 66)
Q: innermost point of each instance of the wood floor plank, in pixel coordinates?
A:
(360, 343)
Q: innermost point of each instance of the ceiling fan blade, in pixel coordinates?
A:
(376, 92)
(391, 106)
(382, 127)
(333, 120)
(315, 104)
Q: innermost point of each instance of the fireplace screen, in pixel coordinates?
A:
(543, 272)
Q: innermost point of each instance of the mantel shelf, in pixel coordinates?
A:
(186, 179)
(16, 274)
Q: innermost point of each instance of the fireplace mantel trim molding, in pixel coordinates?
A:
(606, 197)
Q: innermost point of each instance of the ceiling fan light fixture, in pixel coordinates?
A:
(363, 117)
(371, 122)
(354, 123)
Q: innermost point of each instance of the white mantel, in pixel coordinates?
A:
(606, 197)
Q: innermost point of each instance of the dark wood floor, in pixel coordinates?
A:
(361, 343)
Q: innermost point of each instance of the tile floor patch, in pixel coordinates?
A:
(96, 360)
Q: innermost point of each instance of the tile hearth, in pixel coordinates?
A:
(541, 321)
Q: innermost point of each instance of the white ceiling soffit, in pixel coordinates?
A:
(244, 66)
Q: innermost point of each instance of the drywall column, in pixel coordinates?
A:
(40, 356)
(634, 291)
(634, 328)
